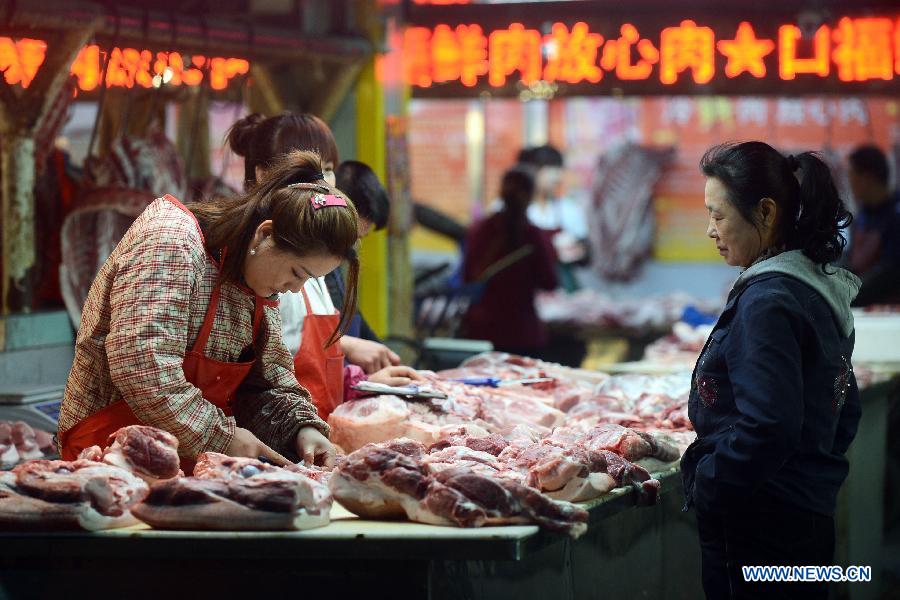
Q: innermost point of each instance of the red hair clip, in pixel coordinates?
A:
(322, 200)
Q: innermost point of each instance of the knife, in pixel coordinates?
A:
(408, 391)
(497, 382)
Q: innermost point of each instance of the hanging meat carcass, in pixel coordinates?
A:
(622, 224)
(119, 186)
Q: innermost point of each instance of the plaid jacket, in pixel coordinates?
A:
(144, 311)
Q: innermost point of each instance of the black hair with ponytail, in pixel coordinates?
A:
(812, 212)
(516, 192)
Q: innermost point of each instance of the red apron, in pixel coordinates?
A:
(217, 381)
(319, 369)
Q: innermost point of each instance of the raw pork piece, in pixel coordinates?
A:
(512, 366)
(574, 466)
(23, 437)
(521, 434)
(231, 493)
(478, 462)
(314, 472)
(148, 452)
(628, 443)
(470, 436)
(680, 439)
(94, 453)
(380, 418)
(461, 497)
(378, 482)
(254, 504)
(357, 423)
(567, 395)
(506, 408)
(213, 465)
(563, 472)
(9, 454)
(81, 494)
(626, 473)
(44, 441)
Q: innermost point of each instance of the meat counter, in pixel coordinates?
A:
(626, 550)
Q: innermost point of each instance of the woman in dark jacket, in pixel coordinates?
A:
(773, 398)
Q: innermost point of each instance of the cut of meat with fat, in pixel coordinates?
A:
(9, 454)
(628, 443)
(460, 497)
(507, 408)
(257, 504)
(81, 494)
(470, 436)
(19, 442)
(213, 465)
(626, 473)
(94, 453)
(23, 437)
(148, 452)
(474, 460)
(564, 473)
(379, 482)
(357, 423)
(237, 493)
(253, 504)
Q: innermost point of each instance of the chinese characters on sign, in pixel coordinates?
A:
(855, 49)
(127, 67)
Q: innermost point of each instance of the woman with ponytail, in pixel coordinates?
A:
(312, 328)
(773, 399)
(181, 329)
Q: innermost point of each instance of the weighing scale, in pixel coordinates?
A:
(36, 404)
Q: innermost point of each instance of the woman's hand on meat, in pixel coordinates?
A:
(244, 443)
(314, 448)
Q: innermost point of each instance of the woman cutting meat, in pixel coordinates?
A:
(773, 399)
(181, 328)
(309, 316)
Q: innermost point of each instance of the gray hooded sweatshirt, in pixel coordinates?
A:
(837, 286)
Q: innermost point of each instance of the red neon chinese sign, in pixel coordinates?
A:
(852, 49)
(127, 67)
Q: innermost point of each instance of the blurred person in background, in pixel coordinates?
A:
(560, 214)
(874, 250)
(516, 259)
(361, 184)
